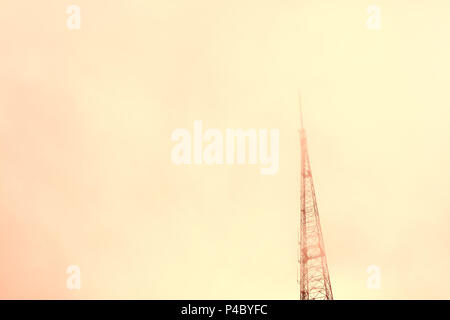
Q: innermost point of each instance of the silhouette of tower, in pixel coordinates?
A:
(314, 278)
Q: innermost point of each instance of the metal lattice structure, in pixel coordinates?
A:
(313, 274)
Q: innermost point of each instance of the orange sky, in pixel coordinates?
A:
(86, 118)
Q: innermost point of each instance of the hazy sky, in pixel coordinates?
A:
(86, 176)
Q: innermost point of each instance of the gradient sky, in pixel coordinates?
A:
(86, 118)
